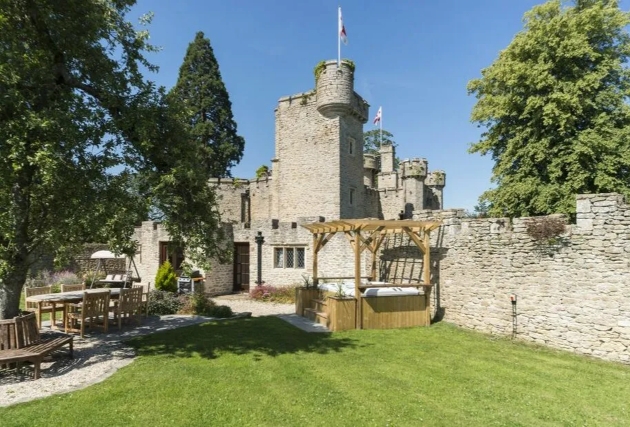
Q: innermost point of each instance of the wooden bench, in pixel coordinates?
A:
(26, 344)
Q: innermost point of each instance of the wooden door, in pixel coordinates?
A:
(241, 267)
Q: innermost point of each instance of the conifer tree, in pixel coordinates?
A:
(554, 108)
(200, 89)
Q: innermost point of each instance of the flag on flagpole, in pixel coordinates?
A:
(377, 118)
(342, 29)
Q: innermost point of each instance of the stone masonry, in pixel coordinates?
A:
(572, 295)
(318, 173)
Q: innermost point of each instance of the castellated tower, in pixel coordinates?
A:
(434, 198)
(407, 188)
(318, 165)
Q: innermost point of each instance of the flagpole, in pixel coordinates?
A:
(380, 122)
(338, 37)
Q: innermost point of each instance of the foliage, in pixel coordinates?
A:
(83, 154)
(198, 303)
(286, 377)
(554, 112)
(201, 91)
(372, 143)
(340, 293)
(319, 68)
(545, 228)
(307, 281)
(219, 312)
(268, 293)
(262, 172)
(480, 210)
(163, 302)
(372, 140)
(166, 279)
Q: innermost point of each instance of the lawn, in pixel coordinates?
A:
(264, 372)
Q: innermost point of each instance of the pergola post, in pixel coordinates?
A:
(357, 278)
(315, 251)
(427, 275)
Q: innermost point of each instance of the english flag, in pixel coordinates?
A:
(342, 29)
(379, 113)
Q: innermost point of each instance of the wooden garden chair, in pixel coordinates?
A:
(72, 288)
(145, 298)
(129, 306)
(94, 309)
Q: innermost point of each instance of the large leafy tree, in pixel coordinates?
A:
(200, 89)
(553, 105)
(373, 139)
(88, 147)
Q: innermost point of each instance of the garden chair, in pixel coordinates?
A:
(94, 309)
(45, 307)
(128, 306)
(72, 288)
(145, 298)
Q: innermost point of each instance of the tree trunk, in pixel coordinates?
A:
(10, 291)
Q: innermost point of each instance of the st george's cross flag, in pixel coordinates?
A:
(377, 118)
(342, 29)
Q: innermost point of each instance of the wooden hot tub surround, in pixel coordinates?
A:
(379, 312)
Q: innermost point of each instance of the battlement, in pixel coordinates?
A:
(436, 179)
(414, 168)
(370, 161)
(335, 91)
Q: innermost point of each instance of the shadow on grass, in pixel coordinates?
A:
(258, 336)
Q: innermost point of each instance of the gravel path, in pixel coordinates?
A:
(100, 356)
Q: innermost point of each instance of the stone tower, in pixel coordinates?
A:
(318, 165)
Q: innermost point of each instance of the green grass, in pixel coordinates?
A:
(265, 372)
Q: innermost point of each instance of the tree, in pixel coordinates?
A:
(372, 142)
(88, 147)
(208, 108)
(166, 279)
(553, 105)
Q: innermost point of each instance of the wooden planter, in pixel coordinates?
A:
(303, 298)
(341, 313)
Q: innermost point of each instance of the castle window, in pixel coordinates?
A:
(351, 144)
(351, 196)
(289, 257)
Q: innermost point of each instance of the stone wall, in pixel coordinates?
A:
(307, 147)
(219, 279)
(230, 195)
(572, 295)
(351, 174)
(149, 235)
(83, 264)
(261, 193)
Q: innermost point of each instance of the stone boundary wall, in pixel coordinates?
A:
(574, 295)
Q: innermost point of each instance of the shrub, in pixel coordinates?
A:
(163, 302)
(66, 277)
(546, 228)
(165, 279)
(220, 312)
(279, 294)
(196, 303)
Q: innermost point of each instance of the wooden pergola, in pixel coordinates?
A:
(369, 234)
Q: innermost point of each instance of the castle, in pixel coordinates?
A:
(319, 173)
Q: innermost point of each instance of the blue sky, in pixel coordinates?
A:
(412, 57)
